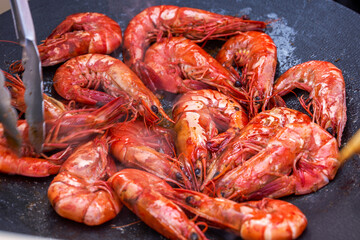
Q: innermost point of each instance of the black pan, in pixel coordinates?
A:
(305, 30)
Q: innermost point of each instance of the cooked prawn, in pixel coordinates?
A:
(148, 148)
(27, 162)
(326, 86)
(80, 191)
(264, 219)
(78, 126)
(79, 34)
(179, 65)
(75, 80)
(250, 140)
(153, 22)
(299, 159)
(53, 108)
(73, 127)
(142, 192)
(199, 115)
(255, 53)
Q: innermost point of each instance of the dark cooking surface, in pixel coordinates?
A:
(306, 30)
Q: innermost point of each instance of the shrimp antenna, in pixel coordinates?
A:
(206, 226)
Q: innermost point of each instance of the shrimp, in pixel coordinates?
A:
(79, 34)
(153, 22)
(80, 191)
(75, 79)
(264, 219)
(255, 53)
(142, 193)
(70, 129)
(148, 148)
(170, 61)
(27, 162)
(326, 86)
(198, 116)
(78, 126)
(53, 108)
(11, 163)
(250, 140)
(299, 159)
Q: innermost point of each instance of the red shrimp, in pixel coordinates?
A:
(142, 193)
(250, 140)
(255, 53)
(80, 191)
(153, 22)
(326, 86)
(27, 162)
(299, 159)
(53, 108)
(70, 129)
(199, 115)
(78, 126)
(264, 219)
(75, 80)
(148, 148)
(79, 34)
(179, 65)
(11, 163)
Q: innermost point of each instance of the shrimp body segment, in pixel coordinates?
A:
(326, 86)
(299, 159)
(81, 77)
(79, 34)
(80, 191)
(179, 65)
(255, 53)
(153, 22)
(142, 193)
(199, 115)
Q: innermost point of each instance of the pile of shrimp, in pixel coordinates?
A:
(228, 147)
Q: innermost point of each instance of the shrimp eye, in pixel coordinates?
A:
(236, 108)
(330, 130)
(257, 98)
(178, 176)
(197, 171)
(238, 83)
(194, 236)
(154, 109)
(189, 199)
(216, 174)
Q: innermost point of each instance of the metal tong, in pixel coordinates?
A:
(32, 78)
